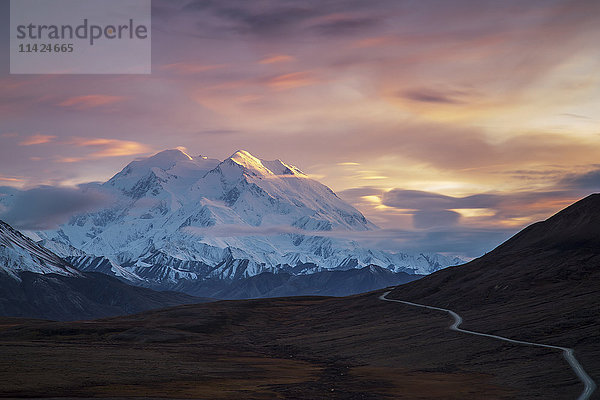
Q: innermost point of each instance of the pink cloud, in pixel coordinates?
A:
(277, 58)
(292, 80)
(68, 160)
(106, 148)
(37, 139)
(10, 179)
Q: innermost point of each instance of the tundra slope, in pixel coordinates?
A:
(589, 386)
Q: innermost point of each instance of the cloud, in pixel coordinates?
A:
(416, 199)
(462, 241)
(454, 240)
(354, 195)
(277, 58)
(588, 180)
(47, 207)
(292, 80)
(435, 218)
(458, 240)
(426, 95)
(505, 208)
(108, 148)
(11, 179)
(450, 148)
(345, 25)
(431, 209)
(68, 160)
(219, 131)
(90, 101)
(577, 116)
(37, 139)
(454, 147)
(245, 18)
(468, 225)
(241, 230)
(283, 18)
(190, 68)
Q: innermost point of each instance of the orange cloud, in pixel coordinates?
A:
(190, 68)
(278, 58)
(10, 179)
(292, 80)
(37, 139)
(107, 148)
(90, 101)
(69, 159)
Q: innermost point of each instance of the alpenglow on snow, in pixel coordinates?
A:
(177, 218)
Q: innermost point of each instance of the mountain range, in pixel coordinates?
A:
(36, 283)
(201, 225)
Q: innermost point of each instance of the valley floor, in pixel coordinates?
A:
(288, 348)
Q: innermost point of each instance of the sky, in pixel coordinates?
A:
(449, 124)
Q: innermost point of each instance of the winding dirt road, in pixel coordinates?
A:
(568, 354)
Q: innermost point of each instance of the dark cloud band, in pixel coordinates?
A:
(46, 207)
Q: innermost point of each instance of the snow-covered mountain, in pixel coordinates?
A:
(18, 253)
(180, 218)
(36, 283)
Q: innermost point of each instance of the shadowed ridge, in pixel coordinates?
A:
(576, 226)
(563, 250)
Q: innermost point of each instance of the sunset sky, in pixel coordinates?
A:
(450, 124)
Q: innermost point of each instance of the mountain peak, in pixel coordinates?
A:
(173, 161)
(249, 162)
(264, 167)
(170, 156)
(164, 160)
